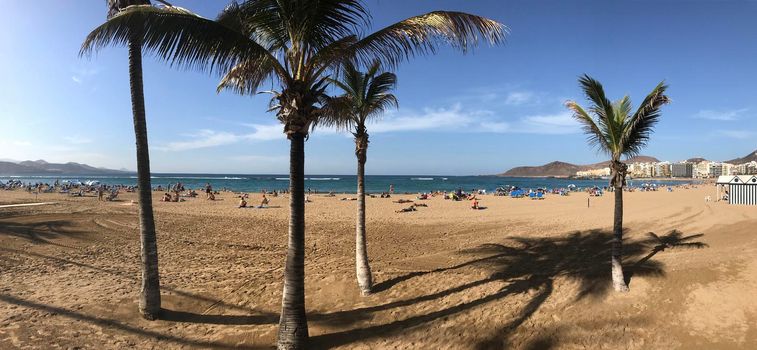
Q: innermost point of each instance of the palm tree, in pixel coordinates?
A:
(366, 96)
(149, 296)
(615, 131)
(295, 44)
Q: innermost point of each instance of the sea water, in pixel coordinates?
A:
(337, 183)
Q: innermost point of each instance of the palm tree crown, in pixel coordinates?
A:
(611, 126)
(366, 95)
(294, 44)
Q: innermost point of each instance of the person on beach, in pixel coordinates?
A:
(208, 190)
(100, 193)
(408, 209)
(166, 197)
(264, 202)
(242, 202)
(474, 203)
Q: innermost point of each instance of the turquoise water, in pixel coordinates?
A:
(336, 183)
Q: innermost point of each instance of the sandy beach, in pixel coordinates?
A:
(522, 274)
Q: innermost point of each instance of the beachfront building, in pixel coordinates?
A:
(745, 169)
(601, 172)
(720, 169)
(738, 189)
(682, 169)
(662, 169)
(640, 170)
(702, 170)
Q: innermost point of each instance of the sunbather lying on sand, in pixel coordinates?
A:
(421, 205)
(403, 201)
(408, 209)
(348, 199)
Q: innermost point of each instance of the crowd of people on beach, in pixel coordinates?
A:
(178, 192)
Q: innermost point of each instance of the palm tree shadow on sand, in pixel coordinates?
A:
(42, 232)
(526, 265)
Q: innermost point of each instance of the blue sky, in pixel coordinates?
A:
(479, 113)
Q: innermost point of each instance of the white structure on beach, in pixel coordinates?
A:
(741, 189)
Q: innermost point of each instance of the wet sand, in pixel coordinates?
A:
(522, 274)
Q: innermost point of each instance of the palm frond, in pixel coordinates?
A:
(379, 87)
(246, 77)
(336, 112)
(424, 34)
(115, 6)
(640, 126)
(603, 108)
(319, 23)
(178, 36)
(259, 20)
(595, 135)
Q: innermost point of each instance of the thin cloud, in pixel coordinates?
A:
(207, 138)
(736, 134)
(77, 140)
(518, 98)
(445, 119)
(265, 132)
(82, 74)
(203, 139)
(722, 115)
(559, 123)
(430, 119)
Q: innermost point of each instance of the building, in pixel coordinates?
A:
(640, 170)
(745, 169)
(739, 189)
(702, 170)
(602, 172)
(682, 169)
(716, 170)
(662, 169)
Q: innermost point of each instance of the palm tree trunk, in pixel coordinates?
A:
(618, 280)
(362, 268)
(293, 325)
(149, 300)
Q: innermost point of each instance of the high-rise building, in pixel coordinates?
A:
(682, 169)
(662, 169)
(702, 169)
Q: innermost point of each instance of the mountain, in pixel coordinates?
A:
(556, 168)
(696, 160)
(746, 159)
(563, 169)
(41, 167)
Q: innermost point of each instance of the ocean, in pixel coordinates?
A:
(338, 183)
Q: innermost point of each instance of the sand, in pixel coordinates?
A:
(522, 274)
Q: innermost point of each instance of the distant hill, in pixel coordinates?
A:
(563, 169)
(41, 167)
(696, 160)
(746, 159)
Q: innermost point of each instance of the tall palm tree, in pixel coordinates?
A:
(615, 131)
(366, 96)
(295, 44)
(149, 295)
